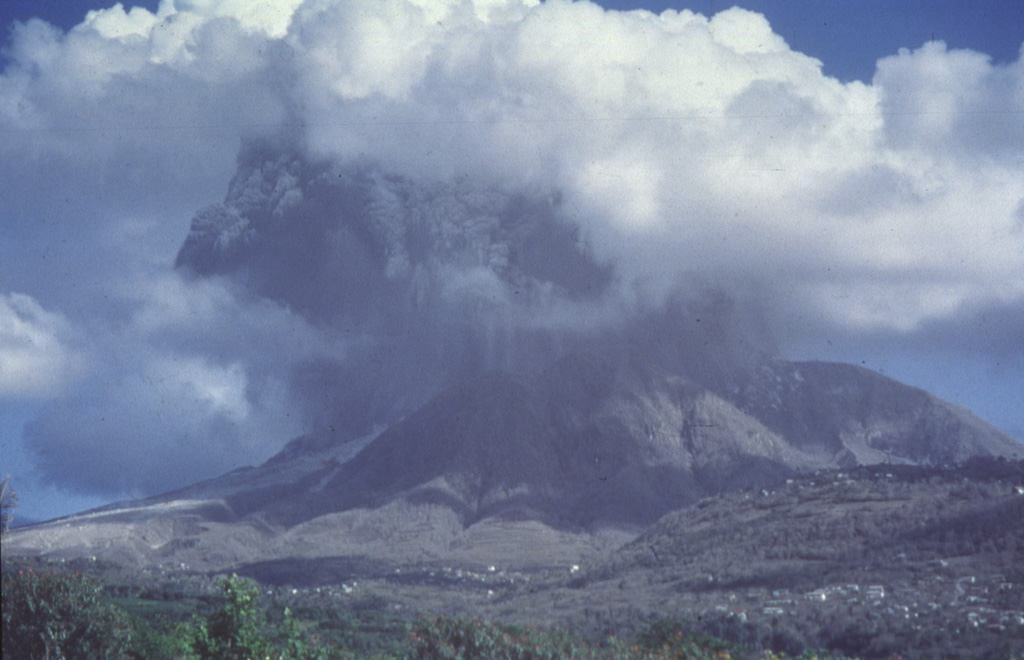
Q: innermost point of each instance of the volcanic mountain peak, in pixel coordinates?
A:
(604, 439)
(598, 442)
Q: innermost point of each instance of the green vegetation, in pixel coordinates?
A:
(459, 639)
(61, 615)
(238, 630)
(66, 615)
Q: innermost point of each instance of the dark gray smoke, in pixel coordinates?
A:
(428, 283)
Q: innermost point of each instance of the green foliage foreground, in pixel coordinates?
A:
(61, 615)
(65, 615)
(459, 639)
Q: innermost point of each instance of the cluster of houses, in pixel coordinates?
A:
(973, 602)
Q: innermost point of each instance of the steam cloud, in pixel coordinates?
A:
(427, 190)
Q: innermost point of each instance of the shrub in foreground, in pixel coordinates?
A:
(239, 630)
(444, 638)
(61, 615)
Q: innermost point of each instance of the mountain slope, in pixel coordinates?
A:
(574, 451)
(871, 562)
(600, 443)
(857, 416)
(619, 441)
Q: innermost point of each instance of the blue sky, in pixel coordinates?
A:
(873, 207)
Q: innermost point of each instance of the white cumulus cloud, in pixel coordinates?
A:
(35, 362)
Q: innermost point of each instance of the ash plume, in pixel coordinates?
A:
(429, 283)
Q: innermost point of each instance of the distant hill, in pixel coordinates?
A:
(871, 562)
(881, 516)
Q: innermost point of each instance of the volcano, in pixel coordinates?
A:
(533, 470)
(495, 390)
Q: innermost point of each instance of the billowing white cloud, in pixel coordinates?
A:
(35, 362)
(193, 381)
(663, 149)
(695, 144)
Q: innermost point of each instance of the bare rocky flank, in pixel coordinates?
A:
(532, 471)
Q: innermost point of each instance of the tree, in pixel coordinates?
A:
(8, 502)
(60, 615)
(239, 630)
(236, 631)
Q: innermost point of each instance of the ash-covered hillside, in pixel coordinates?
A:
(603, 440)
(533, 471)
